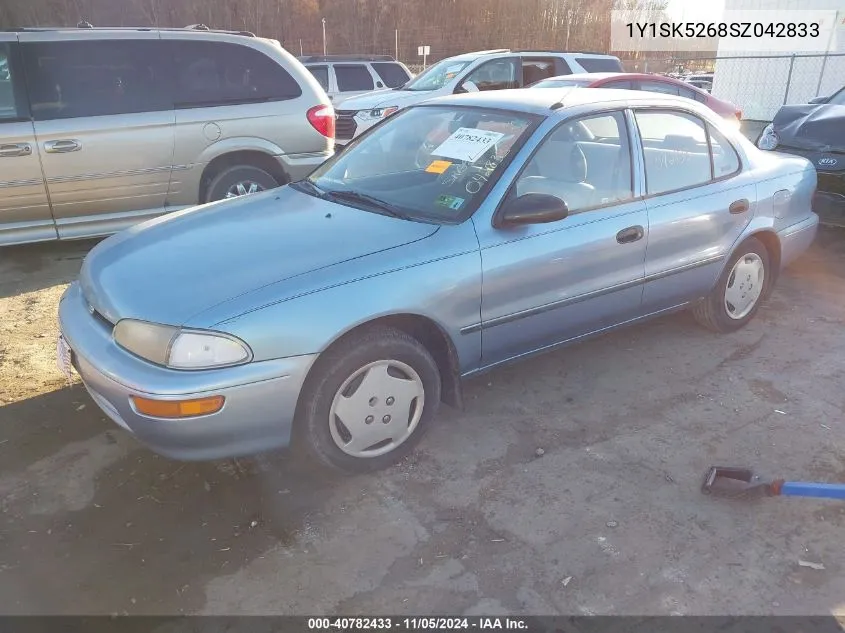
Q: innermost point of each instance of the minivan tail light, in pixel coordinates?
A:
(321, 118)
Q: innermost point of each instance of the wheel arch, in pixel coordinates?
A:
(430, 334)
(251, 157)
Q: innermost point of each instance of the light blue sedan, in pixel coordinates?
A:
(457, 235)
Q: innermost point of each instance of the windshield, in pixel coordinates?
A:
(838, 98)
(436, 76)
(427, 163)
(561, 83)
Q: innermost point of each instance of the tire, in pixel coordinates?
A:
(714, 312)
(391, 355)
(228, 179)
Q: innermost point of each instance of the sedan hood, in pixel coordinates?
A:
(401, 98)
(171, 268)
(817, 128)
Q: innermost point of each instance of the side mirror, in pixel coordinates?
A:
(533, 208)
(818, 100)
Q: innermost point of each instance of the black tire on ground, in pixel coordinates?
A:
(711, 311)
(334, 367)
(231, 176)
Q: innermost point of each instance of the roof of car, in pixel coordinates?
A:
(472, 56)
(545, 102)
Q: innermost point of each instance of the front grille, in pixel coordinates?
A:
(345, 124)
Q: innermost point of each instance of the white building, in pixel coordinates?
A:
(759, 85)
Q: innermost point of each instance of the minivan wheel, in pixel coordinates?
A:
(369, 400)
(740, 290)
(239, 180)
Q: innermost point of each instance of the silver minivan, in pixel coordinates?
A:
(104, 128)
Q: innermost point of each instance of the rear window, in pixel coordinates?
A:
(599, 64)
(393, 75)
(560, 83)
(221, 73)
(353, 77)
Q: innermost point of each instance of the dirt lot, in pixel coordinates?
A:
(609, 520)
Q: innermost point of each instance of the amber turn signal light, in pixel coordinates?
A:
(178, 408)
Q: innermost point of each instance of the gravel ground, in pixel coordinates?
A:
(608, 520)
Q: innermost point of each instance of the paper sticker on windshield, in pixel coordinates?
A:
(467, 144)
(452, 202)
(438, 166)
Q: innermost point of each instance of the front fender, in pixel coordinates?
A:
(447, 291)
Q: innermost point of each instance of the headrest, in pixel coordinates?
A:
(577, 165)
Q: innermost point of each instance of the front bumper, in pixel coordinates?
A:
(797, 238)
(260, 397)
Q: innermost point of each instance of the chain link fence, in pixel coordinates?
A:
(760, 84)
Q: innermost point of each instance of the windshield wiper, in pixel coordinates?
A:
(370, 201)
(306, 186)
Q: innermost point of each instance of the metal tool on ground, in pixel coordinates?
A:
(742, 483)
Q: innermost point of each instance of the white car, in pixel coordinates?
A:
(470, 72)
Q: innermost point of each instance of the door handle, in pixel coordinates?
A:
(20, 149)
(739, 206)
(631, 234)
(62, 147)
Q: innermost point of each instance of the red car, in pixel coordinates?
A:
(636, 81)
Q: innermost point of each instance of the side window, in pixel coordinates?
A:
(96, 77)
(563, 68)
(600, 64)
(659, 86)
(534, 70)
(321, 74)
(675, 150)
(619, 85)
(393, 75)
(8, 98)
(498, 74)
(221, 73)
(725, 158)
(686, 92)
(585, 174)
(353, 77)
(700, 97)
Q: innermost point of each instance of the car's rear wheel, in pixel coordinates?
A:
(369, 400)
(740, 290)
(240, 180)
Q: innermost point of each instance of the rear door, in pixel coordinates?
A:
(699, 202)
(104, 119)
(24, 208)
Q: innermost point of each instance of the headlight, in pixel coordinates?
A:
(180, 349)
(377, 114)
(768, 139)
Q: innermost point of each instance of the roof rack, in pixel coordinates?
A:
(552, 50)
(87, 25)
(345, 58)
(490, 52)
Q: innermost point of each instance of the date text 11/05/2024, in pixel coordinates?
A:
(416, 624)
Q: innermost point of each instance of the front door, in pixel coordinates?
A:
(104, 123)
(697, 207)
(24, 208)
(544, 284)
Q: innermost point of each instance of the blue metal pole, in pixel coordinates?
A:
(806, 489)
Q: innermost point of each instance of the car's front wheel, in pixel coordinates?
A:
(240, 180)
(740, 290)
(369, 400)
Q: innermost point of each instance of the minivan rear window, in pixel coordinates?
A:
(221, 73)
(599, 64)
(393, 75)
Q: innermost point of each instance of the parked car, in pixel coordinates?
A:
(345, 76)
(703, 81)
(815, 131)
(649, 83)
(487, 227)
(103, 128)
(471, 72)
